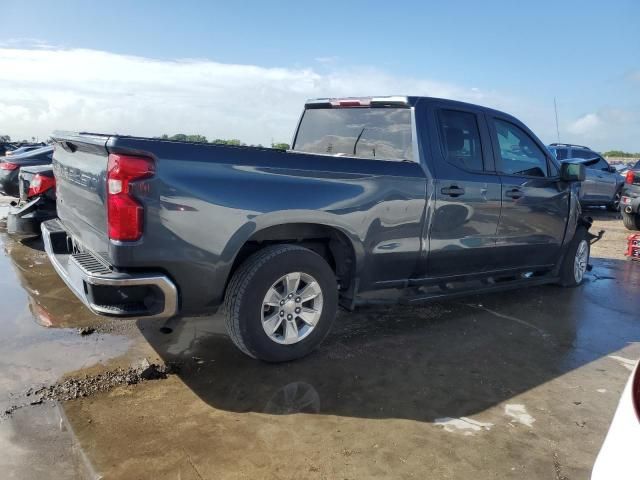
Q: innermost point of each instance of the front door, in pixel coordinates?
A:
(607, 179)
(535, 204)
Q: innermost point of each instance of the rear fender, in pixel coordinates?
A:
(290, 217)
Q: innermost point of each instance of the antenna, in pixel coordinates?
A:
(555, 106)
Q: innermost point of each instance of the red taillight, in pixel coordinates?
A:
(8, 166)
(125, 215)
(40, 184)
(635, 392)
(629, 177)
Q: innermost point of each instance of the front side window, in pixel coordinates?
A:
(597, 164)
(602, 165)
(461, 138)
(520, 155)
(374, 133)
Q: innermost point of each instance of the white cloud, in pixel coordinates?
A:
(42, 90)
(48, 88)
(606, 128)
(634, 75)
(585, 125)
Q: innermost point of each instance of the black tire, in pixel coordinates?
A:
(614, 206)
(567, 271)
(631, 220)
(246, 291)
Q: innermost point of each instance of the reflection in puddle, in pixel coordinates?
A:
(295, 397)
(34, 297)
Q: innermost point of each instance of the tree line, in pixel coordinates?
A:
(182, 137)
(621, 154)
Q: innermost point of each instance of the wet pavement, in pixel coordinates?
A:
(520, 384)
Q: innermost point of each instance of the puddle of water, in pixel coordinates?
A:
(38, 443)
(39, 318)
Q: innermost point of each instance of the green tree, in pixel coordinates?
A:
(197, 138)
(5, 138)
(620, 153)
(280, 146)
(182, 137)
(231, 141)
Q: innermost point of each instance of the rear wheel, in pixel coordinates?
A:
(575, 263)
(280, 303)
(631, 220)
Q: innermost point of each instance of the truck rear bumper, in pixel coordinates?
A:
(101, 288)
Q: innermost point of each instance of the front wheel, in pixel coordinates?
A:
(280, 303)
(575, 263)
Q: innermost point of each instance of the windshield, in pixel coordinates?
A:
(375, 133)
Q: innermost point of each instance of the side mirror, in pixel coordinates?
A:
(612, 169)
(572, 172)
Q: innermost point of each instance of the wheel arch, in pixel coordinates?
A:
(341, 247)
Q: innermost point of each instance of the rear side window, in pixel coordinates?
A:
(374, 133)
(461, 139)
(519, 154)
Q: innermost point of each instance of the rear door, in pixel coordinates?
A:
(535, 204)
(463, 228)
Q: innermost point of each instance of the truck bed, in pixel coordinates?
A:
(206, 200)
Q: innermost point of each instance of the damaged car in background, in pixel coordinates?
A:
(10, 167)
(428, 197)
(37, 201)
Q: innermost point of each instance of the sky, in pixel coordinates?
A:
(243, 69)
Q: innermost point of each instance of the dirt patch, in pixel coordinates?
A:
(80, 387)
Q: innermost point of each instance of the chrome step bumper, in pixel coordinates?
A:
(86, 273)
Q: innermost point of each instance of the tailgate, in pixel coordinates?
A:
(80, 167)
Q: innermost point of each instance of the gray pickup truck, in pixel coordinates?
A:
(430, 197)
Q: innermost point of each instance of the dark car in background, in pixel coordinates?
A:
(602, 185)
(10, 148)
(10, 168)
(37, 201)
(24, 149)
